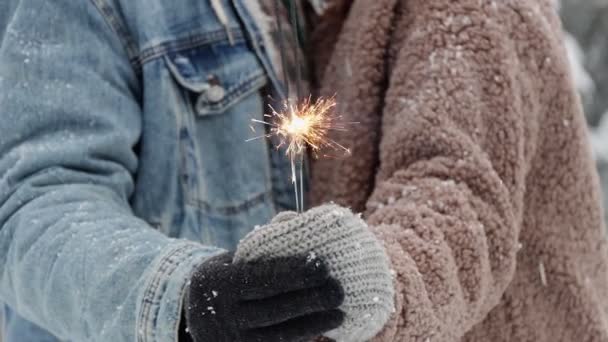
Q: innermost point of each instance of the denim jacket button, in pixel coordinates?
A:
(215, 93)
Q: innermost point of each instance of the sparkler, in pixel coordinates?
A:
(301, 126)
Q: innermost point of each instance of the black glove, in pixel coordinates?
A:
(288, 299)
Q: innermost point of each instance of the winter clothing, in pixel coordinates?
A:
(353, 255)
(123, 126)
(271, 300)
(471, 163)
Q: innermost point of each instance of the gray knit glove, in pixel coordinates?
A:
(352, 253)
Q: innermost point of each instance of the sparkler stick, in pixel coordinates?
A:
(302, 181)
(295, 184)
(293, 9)
(287, 93)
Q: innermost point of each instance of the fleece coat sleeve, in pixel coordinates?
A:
(457, 134)
(462, 91)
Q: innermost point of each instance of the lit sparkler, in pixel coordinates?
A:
(301, 126)
(304, 125)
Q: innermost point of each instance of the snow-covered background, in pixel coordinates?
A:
(586, 38)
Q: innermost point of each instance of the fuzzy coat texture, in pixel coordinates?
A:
(471, 164)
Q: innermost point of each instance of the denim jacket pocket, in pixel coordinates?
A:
(218, 75)
(226, 179)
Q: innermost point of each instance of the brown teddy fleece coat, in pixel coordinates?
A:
(471, 163)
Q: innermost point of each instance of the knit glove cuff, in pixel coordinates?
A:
(352, 253)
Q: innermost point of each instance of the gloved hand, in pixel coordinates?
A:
(280, 299)
(352, 253)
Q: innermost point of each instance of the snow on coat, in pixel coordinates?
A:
(472, 165)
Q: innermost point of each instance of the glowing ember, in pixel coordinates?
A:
(306, 125)
(297, 126)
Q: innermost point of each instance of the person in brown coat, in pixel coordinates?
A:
(471, 164)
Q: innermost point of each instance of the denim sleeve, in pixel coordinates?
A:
(73, 257)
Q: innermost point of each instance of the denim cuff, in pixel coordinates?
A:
(161, 303)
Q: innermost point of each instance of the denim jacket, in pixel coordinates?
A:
(123, 160)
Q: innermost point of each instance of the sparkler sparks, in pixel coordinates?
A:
(301, 126)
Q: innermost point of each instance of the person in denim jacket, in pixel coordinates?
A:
(125, 173)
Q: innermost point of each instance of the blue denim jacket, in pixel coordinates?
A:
(123, 160)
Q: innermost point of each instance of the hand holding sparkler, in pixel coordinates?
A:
(353, 255)
(330, 233)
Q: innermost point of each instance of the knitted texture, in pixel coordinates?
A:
(352, 253)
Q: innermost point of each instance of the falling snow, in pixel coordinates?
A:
(543, 275)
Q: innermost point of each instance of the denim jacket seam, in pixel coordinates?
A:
(188, 42)
(120, 29)
(150, 305)
(148, 299)
(232, 209)
(258, 45)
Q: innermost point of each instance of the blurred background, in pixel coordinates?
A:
(586, 38)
